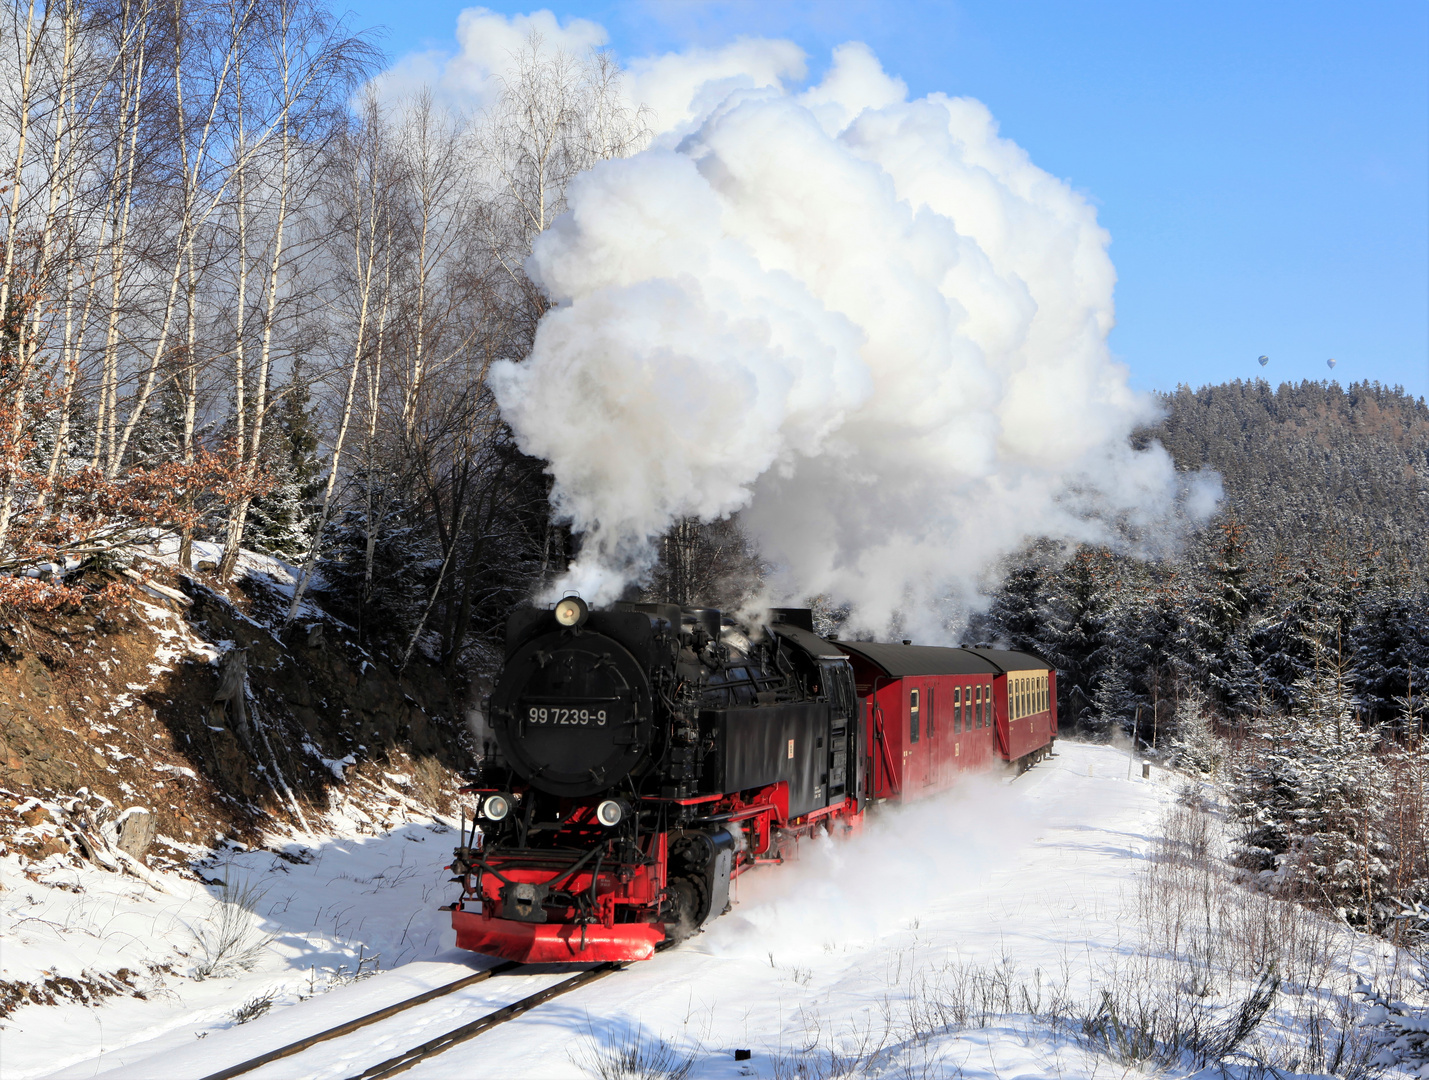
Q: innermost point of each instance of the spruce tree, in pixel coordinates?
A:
(1080, 617)
(1311, 800)
(1195, 747)
(281, 522)
(1400, 1032)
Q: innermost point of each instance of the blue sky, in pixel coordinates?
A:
(1263, 168)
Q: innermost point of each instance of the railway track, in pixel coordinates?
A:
(432, 1047)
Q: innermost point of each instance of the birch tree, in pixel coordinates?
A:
(296, 93)
(364, 197)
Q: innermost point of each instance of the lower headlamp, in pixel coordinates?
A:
(610, 812)
(495, 807)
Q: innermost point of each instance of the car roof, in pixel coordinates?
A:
(901, 661)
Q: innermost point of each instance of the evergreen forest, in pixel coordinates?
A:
(1286, 648)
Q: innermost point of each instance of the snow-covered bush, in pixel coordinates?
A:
(1311, 798)
(1195, 747)
(1400, 1031)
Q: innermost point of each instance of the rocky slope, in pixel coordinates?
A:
(144, 734)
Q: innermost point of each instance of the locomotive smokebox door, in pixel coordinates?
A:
(572, 713)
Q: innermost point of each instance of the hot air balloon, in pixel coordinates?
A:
(1264, 360)
(1331, 362)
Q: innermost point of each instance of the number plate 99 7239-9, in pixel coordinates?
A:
(560, 716)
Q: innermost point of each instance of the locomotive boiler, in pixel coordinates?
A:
(645, 756)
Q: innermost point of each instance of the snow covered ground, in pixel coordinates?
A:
(963, 937)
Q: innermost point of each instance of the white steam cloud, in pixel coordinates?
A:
(908, 860)
(870, 325)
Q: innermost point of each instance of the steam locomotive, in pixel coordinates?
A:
(646, 755)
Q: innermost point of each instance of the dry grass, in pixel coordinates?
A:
(234, 940)
(633, 1055)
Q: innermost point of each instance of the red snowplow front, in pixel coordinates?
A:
(555, 943)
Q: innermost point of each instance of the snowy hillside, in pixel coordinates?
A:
(1040, 927)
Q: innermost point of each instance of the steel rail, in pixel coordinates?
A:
(442, 1043)
(361, 1022)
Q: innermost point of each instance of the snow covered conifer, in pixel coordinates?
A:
(1080, 611)
(281, 522)
(1340, 851)
(1215, 621)
(1312, 801)
(1016, 618)
(1400, 1033)
(1195, 746)
(1390, 645)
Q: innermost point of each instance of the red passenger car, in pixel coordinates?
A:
(932, 713)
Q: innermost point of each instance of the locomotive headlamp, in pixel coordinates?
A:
(572, 611)
(496, 807)
(610, 812)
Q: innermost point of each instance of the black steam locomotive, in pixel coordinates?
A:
(645, 756)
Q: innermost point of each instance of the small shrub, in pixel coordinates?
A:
(1399, 1033)
(634, 1056)
(234, 940)
(253, 1008)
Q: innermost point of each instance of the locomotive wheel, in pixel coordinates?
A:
(688, 900)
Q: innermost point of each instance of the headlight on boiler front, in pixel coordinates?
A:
(496, 807)
(610, 812)
(572, 611)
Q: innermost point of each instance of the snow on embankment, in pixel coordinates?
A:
(264, 929)
(1051, 926)
(1078, 921)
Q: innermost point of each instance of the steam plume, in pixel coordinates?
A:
(870, 325)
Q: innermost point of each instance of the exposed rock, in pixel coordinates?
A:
(230, 699)
(136, 830)
(35, 815)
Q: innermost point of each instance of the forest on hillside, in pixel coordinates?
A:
(1319, 552)
(1311, 465)
(1285, 649)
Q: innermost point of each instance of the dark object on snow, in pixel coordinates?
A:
(741, 1055)
(230, 699)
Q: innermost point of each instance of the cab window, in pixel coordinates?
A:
(913, 716)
